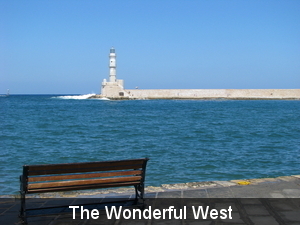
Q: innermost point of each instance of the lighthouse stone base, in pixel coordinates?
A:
(114, 90)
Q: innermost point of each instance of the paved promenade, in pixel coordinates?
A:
(256, 201)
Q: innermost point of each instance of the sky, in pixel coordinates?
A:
(62, 46)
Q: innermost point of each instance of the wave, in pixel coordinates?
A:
(102, 98)
(79, 97)
(75, 96)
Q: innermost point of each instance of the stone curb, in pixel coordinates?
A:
(162, 188)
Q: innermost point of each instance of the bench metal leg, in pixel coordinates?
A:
(139, 192)
(22, 214)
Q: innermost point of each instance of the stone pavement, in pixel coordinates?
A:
(255, 201)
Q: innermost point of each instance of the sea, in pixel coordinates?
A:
(185, 140)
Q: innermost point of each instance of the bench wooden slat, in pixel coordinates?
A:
(66, 166)
(80, 170)
(85, 175)
(83, 182)
(83, 187)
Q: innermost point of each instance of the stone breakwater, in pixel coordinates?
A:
(205, 94)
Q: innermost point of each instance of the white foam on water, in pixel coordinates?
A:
(75, 96)
(87, 96)
(106, 99)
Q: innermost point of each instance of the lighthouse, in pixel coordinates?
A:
(113, 88)
(112, 65)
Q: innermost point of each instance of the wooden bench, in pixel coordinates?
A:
(79, 176)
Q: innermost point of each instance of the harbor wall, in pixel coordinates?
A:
(213, 93)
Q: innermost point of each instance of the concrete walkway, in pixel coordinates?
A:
(256, 201)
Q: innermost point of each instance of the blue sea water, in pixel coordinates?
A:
(186, 140)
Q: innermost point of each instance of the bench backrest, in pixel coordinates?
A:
(79, 176)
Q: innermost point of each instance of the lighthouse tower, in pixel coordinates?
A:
(113, 88)
(112, 65)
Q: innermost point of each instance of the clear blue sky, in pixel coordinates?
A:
(62, 46)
